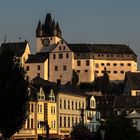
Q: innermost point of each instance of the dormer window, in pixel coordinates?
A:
(41, 95)
(51, 96)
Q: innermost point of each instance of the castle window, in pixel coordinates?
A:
(114, 64)
(86, 70)
(118, 55)
(78, 71)
(27, 68)
(54, 56)
(115, 72)
(60, 56)
(107, 55)
(56, 68)
(38, 67)
(87, 63)
(121, 64)
(38, 74)
(64, 68)
(64, 47)
(78, 63)
(67, 55)
(108, 64)
(102, 64)
(129, 64)
(99, 55)
(122, 72)
(59, 47)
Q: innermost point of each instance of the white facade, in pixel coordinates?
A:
(37, 69)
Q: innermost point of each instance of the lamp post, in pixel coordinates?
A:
(45, 123)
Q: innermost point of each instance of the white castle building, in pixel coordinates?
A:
(55, 59)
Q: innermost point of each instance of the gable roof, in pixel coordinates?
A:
(68, 89)
(18, 48)
(101, 48)
(133, 80)
(37, 58)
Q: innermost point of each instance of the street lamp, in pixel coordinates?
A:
(45, 123)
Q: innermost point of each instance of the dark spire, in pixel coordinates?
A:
(54, 30)
(39, 30)
(59, 33)
(48, 24)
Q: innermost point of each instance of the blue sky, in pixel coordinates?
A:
(81, 21)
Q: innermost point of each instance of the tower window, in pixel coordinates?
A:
(87, 63)
(67, 55)
(54, 56)
(78, 63)
(64, 68)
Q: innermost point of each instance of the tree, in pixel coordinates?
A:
(120, 128)
(80, 132)
(13, 94)
(75, 78)
(105, 83)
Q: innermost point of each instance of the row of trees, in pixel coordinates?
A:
(102, 84)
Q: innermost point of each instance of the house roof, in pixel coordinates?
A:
(18, 48)
(101, 48)
(37, 58)
(117, 102)
(133, 80)
(68, 89)
(48, 48)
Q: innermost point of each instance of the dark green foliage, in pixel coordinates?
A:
(120, 128)
(13, 94)
(86, 86)
(80, 132)
(75, 78)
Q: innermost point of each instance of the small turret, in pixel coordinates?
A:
(39, 30)
(54, 30)
(59, 33)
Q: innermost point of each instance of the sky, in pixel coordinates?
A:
(81, 21)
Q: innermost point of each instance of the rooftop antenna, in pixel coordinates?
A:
(5, 37)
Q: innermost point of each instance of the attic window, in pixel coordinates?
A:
(51, 96)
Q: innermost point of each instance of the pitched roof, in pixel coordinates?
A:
(18, 48)
(68, 89)
(133, 79)
(117, 102)
(101, 48)
(37, 58)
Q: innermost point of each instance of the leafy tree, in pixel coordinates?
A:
(13, 94)
(80, 132)
(120, 128)
(75, 78)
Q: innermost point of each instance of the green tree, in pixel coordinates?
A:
(13, 94)
(120, 128)
(75, 78)
(80, 132)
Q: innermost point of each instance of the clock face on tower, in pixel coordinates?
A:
(45, 42)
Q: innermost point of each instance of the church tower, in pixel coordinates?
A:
(47, 33)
